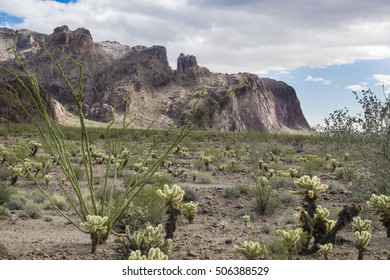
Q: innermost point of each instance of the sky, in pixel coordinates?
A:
(324, 49)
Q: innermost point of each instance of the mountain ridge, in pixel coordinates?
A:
(112, 70)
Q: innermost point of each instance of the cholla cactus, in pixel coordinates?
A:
(321, 224)
(33, 146)
(381, 206)
(97, 227)
(4, 153)
(310, 188)
(223, 224)
(38, 167)
(246, 219)
(290, 240)
(137, 256)
(153, 254)
(361, 225)
(27, 165)
(252, 250)
(325, 250)
(156, 254)
(47, 179)
(172, 197)
(189, 210)
(97, 154)
(16, 172)
(334, 163)
(362, 239)
(293, 172)
(206, 159)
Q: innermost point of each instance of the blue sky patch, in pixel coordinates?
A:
(9, 20)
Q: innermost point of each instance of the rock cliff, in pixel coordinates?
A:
(155, 92)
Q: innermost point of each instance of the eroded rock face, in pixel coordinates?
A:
(113, 71)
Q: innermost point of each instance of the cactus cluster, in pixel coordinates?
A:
(206, 159)
(153, 254)
(321, 224)
(325, 249)
(362, 239)
(139, 243)
(252, 250)
(189, 210)
(97, 227)
(291, 240)
(246, 219)
(4, 153)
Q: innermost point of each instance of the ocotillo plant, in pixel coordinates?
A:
(87, 204)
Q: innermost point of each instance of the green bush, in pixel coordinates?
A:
(314, 164)
(4, 174)
(17, 201)
(4, 212)
(5, 193)
(231, 193)
(245, 211)
(190, 194)
(33, 210)
(266, 200)
(281, 182)
(204, 178)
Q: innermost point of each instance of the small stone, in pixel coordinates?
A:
(191, 254)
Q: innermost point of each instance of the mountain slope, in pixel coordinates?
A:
(156, 92)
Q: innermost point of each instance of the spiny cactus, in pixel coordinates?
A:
(246, 219)
(189, 210)
(97, 227)
(33, 146)
(4, 153)
(361, 225)
(252, 250)
(206, 159)
(144, 240)
(362, 239)
(293, 172)
(16, 172)
(223, 224)
(153, 254)
(381, 206)
(325, 250)
(310, 188)
(321, 224)
(172, 197)
(290, 240)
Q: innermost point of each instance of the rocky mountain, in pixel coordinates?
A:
(155, 92)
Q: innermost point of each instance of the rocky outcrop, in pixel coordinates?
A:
(154, 91)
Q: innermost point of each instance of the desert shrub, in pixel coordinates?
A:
(336, 187)
(245, 211)
(244, 188)
(277, 182)
(314, 164)
(4, 174)
(146, 207)
(59, 201)
(190, 194)
(38, 197)
(4, 212)
(161, 178)
(16, 201)
(33, 210)
(5, 194)
(266, 200)
(288, 199)
(231, 193)
(204, 178)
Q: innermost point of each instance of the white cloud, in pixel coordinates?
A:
(383, 80)
(317, 80)
(227, 35)
(357, 87)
